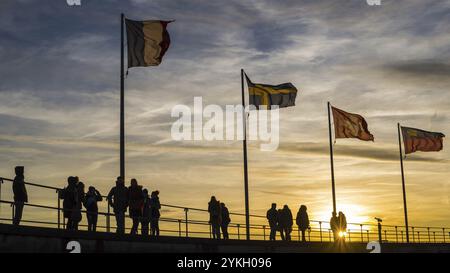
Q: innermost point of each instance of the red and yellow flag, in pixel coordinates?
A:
(420, 140)
(348, 125)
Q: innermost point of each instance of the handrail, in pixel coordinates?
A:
(361, 231)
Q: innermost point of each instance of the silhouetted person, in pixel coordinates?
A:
(155, 206)
(146, 213)
(214, 217)
(225, 220)
(281, 224)
(287, 222)
(69, 195)
(334, 225)
(302, 221)
(90, 203)
(135, 202)
(78, 205)
(342, 224)
(272, 216)
(20, 194)
(118, 200)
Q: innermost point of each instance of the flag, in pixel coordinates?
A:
(420, 140)
(147, 42)
(282, 95)
(348, 125)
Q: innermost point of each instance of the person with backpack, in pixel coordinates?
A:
(146, 213)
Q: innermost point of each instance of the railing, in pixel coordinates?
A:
(193, 222)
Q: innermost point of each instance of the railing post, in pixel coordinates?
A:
(380, 239)
(108, 219)
(385, 235)
(239, 233)
(1, 182)
(59, 209)
(418, 236)
(320, 230)
(396, 234)
(429, 238)
(434, 236)
(264, 232)
(186, 219)
(361, 228)
(12, 212)
(401, 231)
(179, 228)
(368, 236)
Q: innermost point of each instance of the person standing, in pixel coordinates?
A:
(302, 221)
(20, 194)
(146, 213)
(342, 220)
(68, 196)
(135, 202)
(281, 224)
(92, 197)
(155, 206)
(214, 217)
(334, 225)
(272, 216)
(118, 200)
(78, 204)
(225, 220)
(288, 222)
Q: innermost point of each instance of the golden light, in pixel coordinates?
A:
(342, 234)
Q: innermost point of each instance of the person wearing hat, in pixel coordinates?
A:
(20, 194)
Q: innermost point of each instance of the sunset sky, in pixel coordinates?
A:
(59, 101)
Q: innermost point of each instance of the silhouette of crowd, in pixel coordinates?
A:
(144, 209)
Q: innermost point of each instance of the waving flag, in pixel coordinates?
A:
(348, 125)
(420, 140)
(267, 95)
(147, 42)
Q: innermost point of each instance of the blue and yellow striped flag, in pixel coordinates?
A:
(282, 95)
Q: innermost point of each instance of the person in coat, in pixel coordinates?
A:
(302, 221)
(78, 204)
(214, 217)
(225, 216)
(90, 203)
(155, 206)
(20, 194)
(342, 220)
(135, 202)
(146, 213)
(287, 222)
(118, 200)
(272, 215)
(281, 224)
(68, 195)
(334, 226)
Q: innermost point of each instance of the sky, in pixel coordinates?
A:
(59, 101)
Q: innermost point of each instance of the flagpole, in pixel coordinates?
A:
(122, 102)
(403, 184)
(333, 190)
(244, 144)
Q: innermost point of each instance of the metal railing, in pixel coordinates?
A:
(193, 222)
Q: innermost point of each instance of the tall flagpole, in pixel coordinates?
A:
(244, 144)
(122, 102)
(403, 184)
(333, 190)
